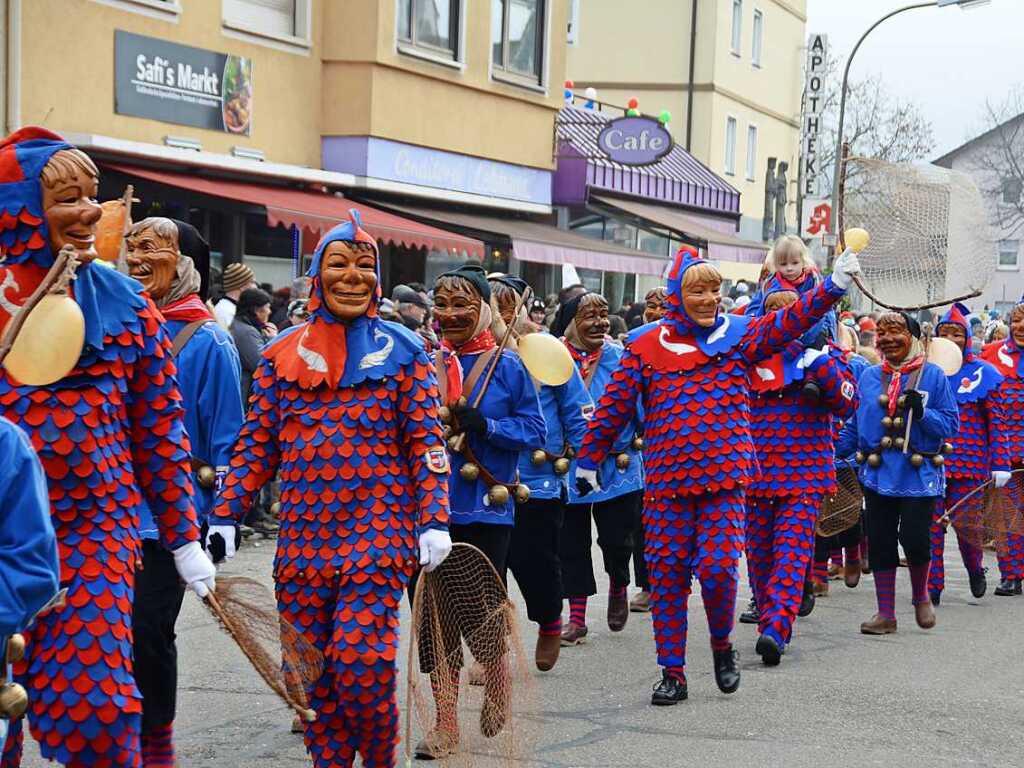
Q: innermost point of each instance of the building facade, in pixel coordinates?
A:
(736, 107)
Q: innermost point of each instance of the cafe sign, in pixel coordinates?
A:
(179, 84)
(635, 141)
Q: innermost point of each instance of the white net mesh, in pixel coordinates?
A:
(931, 238)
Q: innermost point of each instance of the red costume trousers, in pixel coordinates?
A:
(698, 535)
(956, 489)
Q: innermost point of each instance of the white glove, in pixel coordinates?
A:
(586, 481)
(811, 354)
(228, 533)
(195, 568)
(435, 546)
(844, 268)
(1000, 478)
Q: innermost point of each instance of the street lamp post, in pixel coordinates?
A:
(846, 73)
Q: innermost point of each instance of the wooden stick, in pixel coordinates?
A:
(122, 255)
(916, 308)
(51, 283)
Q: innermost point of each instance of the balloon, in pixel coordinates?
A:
(633, 104)
(665, 117)
(568, 84)
(49, 343)
(632, 113)
(591, 93)
(856, 239)
(945, 354)
(546, 358)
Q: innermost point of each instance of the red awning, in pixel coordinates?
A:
(315, 211)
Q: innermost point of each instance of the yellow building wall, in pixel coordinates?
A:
(67, 77)
(428, 104)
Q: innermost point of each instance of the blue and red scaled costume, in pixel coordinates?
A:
(698, 450)
(979, 448)
(29, 565)
(1008, 359)
(347, 413)
(108, 434)
(793, 439)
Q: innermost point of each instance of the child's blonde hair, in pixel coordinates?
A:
(789, 244)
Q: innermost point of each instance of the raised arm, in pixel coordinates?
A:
(771, 333)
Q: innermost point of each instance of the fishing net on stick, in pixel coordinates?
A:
(287, 662)
(988, 516)
(931, 239)
(463, 606)
(840, 511)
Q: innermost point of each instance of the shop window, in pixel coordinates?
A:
(431, 26)
(517, 39)
(1009, 255)
(287, 19)
(730, 146)
(261, 240)
(737, 26)
(757, 35)
(751, 152)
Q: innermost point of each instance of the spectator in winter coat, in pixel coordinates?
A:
(251, 329)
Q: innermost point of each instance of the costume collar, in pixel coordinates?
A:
(974, 381)
(188, 309)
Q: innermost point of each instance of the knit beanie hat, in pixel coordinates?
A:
(236, 276)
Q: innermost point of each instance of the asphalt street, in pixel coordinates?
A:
(952, 696)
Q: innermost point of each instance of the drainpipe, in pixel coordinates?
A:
(12, 96)
(693, 57)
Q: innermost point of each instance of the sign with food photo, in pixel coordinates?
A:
(180, 84)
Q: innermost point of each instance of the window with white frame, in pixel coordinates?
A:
(737, 26)
(1009, 254)
(273, 18)
(573, 28)
(730, 146)
(432, 25)
(757, 38)
(751, 152)
(517, 38)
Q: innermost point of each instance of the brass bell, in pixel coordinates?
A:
(469, 472)
(16, 647)
(859, 457)
(498, 495)
(446, 431)
(454, 444)
(13, 700)
(898, 423)
(883, 400)
(947, 448)
(887, 422)
(206, 476)
(444, 413)
(938, 460)
(461, 402)
(916, 460)
(275, 508)
(886, 442)
(570, 452)
(622, 461)
(538, 457)
(899, 442)
(902, 402)
(638, 443)
(522, 494)
(874, 460)
(561, 466)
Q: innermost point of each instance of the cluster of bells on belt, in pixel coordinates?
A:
(13, 697)
(622, 461)
(498, 494)
(898, 423)
(206, 476)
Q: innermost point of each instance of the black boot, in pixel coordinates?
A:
(727, 672)
(671, 690)
(1008, 588)
(769, 650)
(751, 615)
(806, 602)
(979, 584)
(936, 597)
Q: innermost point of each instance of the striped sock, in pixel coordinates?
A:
(676, 672)
(158, 747)
(578, 611)
(853, 554)
(837, 557)
(552, 627)
(885, 591)
(720, 643)
(821, 571)
(619, 592)
(919, 582)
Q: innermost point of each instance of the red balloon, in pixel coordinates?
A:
(633, 103)
(568, 84)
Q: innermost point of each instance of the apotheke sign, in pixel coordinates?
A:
(635, 141)
(180, 84)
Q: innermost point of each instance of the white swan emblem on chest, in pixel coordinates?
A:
(373, 359)
(314, 360)
(680, 348)
(6, 304)
(1004, 357)
(971, 384)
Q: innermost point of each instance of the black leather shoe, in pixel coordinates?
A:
(751, 615)
(936, 597)
(1008, 588)
(669, 691)
(979, 584)
(806, 603)
(769, 651)
(727, 672)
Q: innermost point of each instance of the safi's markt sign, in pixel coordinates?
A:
(635, 141)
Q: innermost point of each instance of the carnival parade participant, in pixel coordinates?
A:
(208, 379)
(582, 324)
(507, 422)
(29, 563)
(533, 554)
(1008, 360)
(979, 449)
(792, 435)
(901, 471)
(690, 370)
(345, 405)
(109, 434)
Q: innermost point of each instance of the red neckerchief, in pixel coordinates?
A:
(786, 285)
(479, 343)
(187, 310)
(583, 359)
(897, 376)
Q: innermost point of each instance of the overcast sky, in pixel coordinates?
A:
(948, 60)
